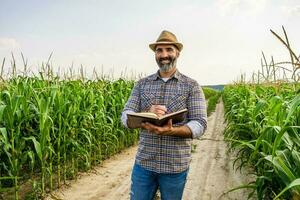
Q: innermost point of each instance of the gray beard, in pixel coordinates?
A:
(167, 67)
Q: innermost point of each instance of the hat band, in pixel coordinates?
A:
(165, 40)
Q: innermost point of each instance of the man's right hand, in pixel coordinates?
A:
(159, 110)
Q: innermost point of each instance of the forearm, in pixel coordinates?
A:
(181, 131)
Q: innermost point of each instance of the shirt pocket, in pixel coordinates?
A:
(147, 99)
(177, 102)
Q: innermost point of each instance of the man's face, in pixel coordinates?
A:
(166, 56)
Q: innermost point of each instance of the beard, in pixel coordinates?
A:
(165, 67)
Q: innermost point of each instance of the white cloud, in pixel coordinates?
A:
(248, 7)
(9, 44)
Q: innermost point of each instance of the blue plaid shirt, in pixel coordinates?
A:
(161, 153)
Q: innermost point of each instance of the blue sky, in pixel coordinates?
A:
(221, 38)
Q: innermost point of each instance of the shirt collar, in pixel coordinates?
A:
(176, 75)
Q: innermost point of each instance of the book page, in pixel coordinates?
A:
(171, 114)
(145, 114)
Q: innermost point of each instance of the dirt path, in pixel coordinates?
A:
(210, 174)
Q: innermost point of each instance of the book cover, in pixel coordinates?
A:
(135, 120)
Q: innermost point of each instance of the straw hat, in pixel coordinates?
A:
(166, 37)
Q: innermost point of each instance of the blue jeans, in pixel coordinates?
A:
(144, 184)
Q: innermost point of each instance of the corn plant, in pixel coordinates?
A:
(52, 128)
(263, 127)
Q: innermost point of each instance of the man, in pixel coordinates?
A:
(164, 153)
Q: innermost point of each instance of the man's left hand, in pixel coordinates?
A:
(159, 130)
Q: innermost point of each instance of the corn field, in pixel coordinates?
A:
(263, 119)
(263, 124)
(51, 129)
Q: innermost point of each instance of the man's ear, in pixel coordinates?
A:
(177, 53)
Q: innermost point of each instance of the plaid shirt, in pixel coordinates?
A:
(161, 153)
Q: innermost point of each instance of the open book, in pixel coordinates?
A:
(135, 120)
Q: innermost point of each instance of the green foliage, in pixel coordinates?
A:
(209, 92)
(52, 129)
(212, 102)
(212, 97)
(264, 126)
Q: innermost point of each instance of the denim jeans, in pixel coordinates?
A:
(144, 184)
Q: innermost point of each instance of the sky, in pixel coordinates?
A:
(222, 39)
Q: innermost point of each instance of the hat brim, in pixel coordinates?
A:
(177, 44)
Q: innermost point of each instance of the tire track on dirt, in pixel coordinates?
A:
(202, 159)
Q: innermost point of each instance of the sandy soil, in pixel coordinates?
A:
(210, 176)
(211, 173)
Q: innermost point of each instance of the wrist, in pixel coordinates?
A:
(180, 131)
(173, 130)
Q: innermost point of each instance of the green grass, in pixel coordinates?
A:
(212, 97)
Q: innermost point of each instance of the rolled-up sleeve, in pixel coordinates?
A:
(133, 103)
(197, 116)
(196, 128)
